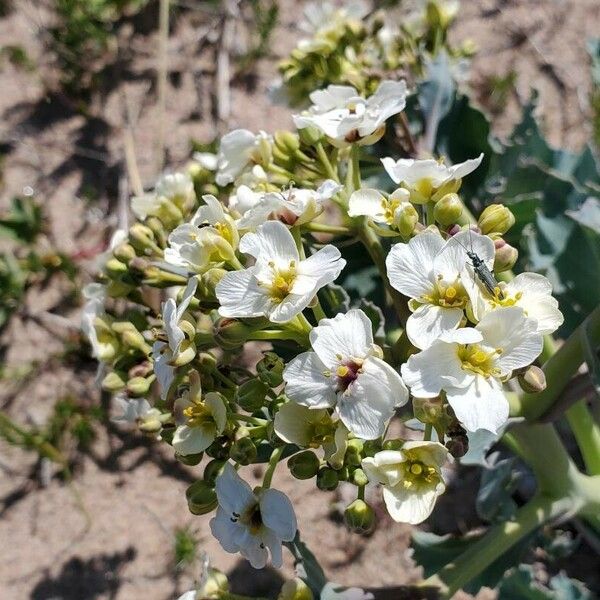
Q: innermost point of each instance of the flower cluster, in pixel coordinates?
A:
(247, 245)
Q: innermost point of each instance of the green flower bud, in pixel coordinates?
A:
(139, 386)
(201, 498)
(406, 219)
(359, 516)
(505, 256)
(207, 283)
(130, 336)
(295, 589)
(251, 395)
(115, 268)
(270, 369)
(287, 141)
(303, 465)
(310, 135)
(124, 252)
(142, 239)
(216, 586)
(114, 381)
(392, 444)
(191, 460)
(496, 218)
(219, 449)
(327, 479)
(371, 447)
(448, 210)
(532, 380)
(244, 451)
(212, 470)
(231, 334)
(353, 453)
(359, 478)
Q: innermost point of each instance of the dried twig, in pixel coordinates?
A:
(161, 82)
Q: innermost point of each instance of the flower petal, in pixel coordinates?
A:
(428, 322)
(366, 202)
(306, 383)
(240, 295)
(278, 515)
(193, 440)
(233, 493)
(410, 505)
(270, 241)
(294, 423)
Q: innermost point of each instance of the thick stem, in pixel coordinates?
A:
(326, 163)
(587, 434)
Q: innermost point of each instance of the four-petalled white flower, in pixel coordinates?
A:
(411, 479)
(345, 117)
(346, 371)
(428, 179)
(279, 285)
(470, 364)
(437, 275)
(253, 523)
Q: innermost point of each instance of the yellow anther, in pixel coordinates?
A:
(416, 469)
(342, 371)
(451, 293)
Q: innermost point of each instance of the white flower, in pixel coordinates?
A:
(103, 341)
(164, 371)
(252, 523)
(236, 153)
(199, 418)
(434, 274)
(372, 203)
(312, 428)
(411, 478)
(207, 160)
(470, 365)
(172, 319)
(345, 117)
(346, 371)
(279, 285)
(211, 236)
(531, 292)
(138, 411)
(171, 187)
(322, 17)
(293, 206)
(426, 178)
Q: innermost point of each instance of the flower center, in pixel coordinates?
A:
(323, 432)
(252, 518)
(197, 414)
(477, 360)
(224, 231)
(346, 373)
(282, 281)
(417, 474)
(389, 207)
(424, 187)
(502, 299)
(448, 295)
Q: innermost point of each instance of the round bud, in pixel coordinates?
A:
(505, 256)
(532, 380)
(448, 210)
(230, 334)
(191, 460)
(270, 369)
(124, 252)
(139, 386)
(406, 219)
(243, 451)
(295, 589)
(353, 454)
(287, 141)
(496, 218)
(212, 470)
(392, 444)
(219, 448)
(113, 381)
(251, 395)
(359, 478)
(327, 479)
(310, 135)
(115, 268)
(303, 465)
(371, 447)
(359, 516)
(201, 498)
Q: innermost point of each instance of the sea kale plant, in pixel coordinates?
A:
(377, 271)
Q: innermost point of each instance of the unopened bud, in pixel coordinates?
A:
(142, 238)
(496, 218)
(287, 141)
(219, 449)
(353, 455)
(130, 336)
(216, 586)
(207, 283)
(359, 516)
(191, 460)
(270, 369)
(251, 395)
(428, 410)
(114, 381)
(201, 498)
(303, 465)
(295, 589)
(310, 135)
(371, 447)
(139, 386)
(244, 451)
(359, 478)
(448, 210)
(212, 470)
(505, 256)
(230, 334)
(532, 380)
(406, 218)
(392, 444)
(327, 479)
(115, 268)
(124, 252)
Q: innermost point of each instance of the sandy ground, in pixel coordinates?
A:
(109, 534)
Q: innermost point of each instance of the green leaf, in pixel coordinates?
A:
(494, 501)
(23, 221)
(520, 583)
(307, 565)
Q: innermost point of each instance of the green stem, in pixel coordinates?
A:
(326, 163)
(371, 242)
(248, 419)
(587, 434)
(323, 228)
(496, 542)
(427, 432)
(353, 172)
(429, 212)
(561, 367)
(273, 461)
(318, 311)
